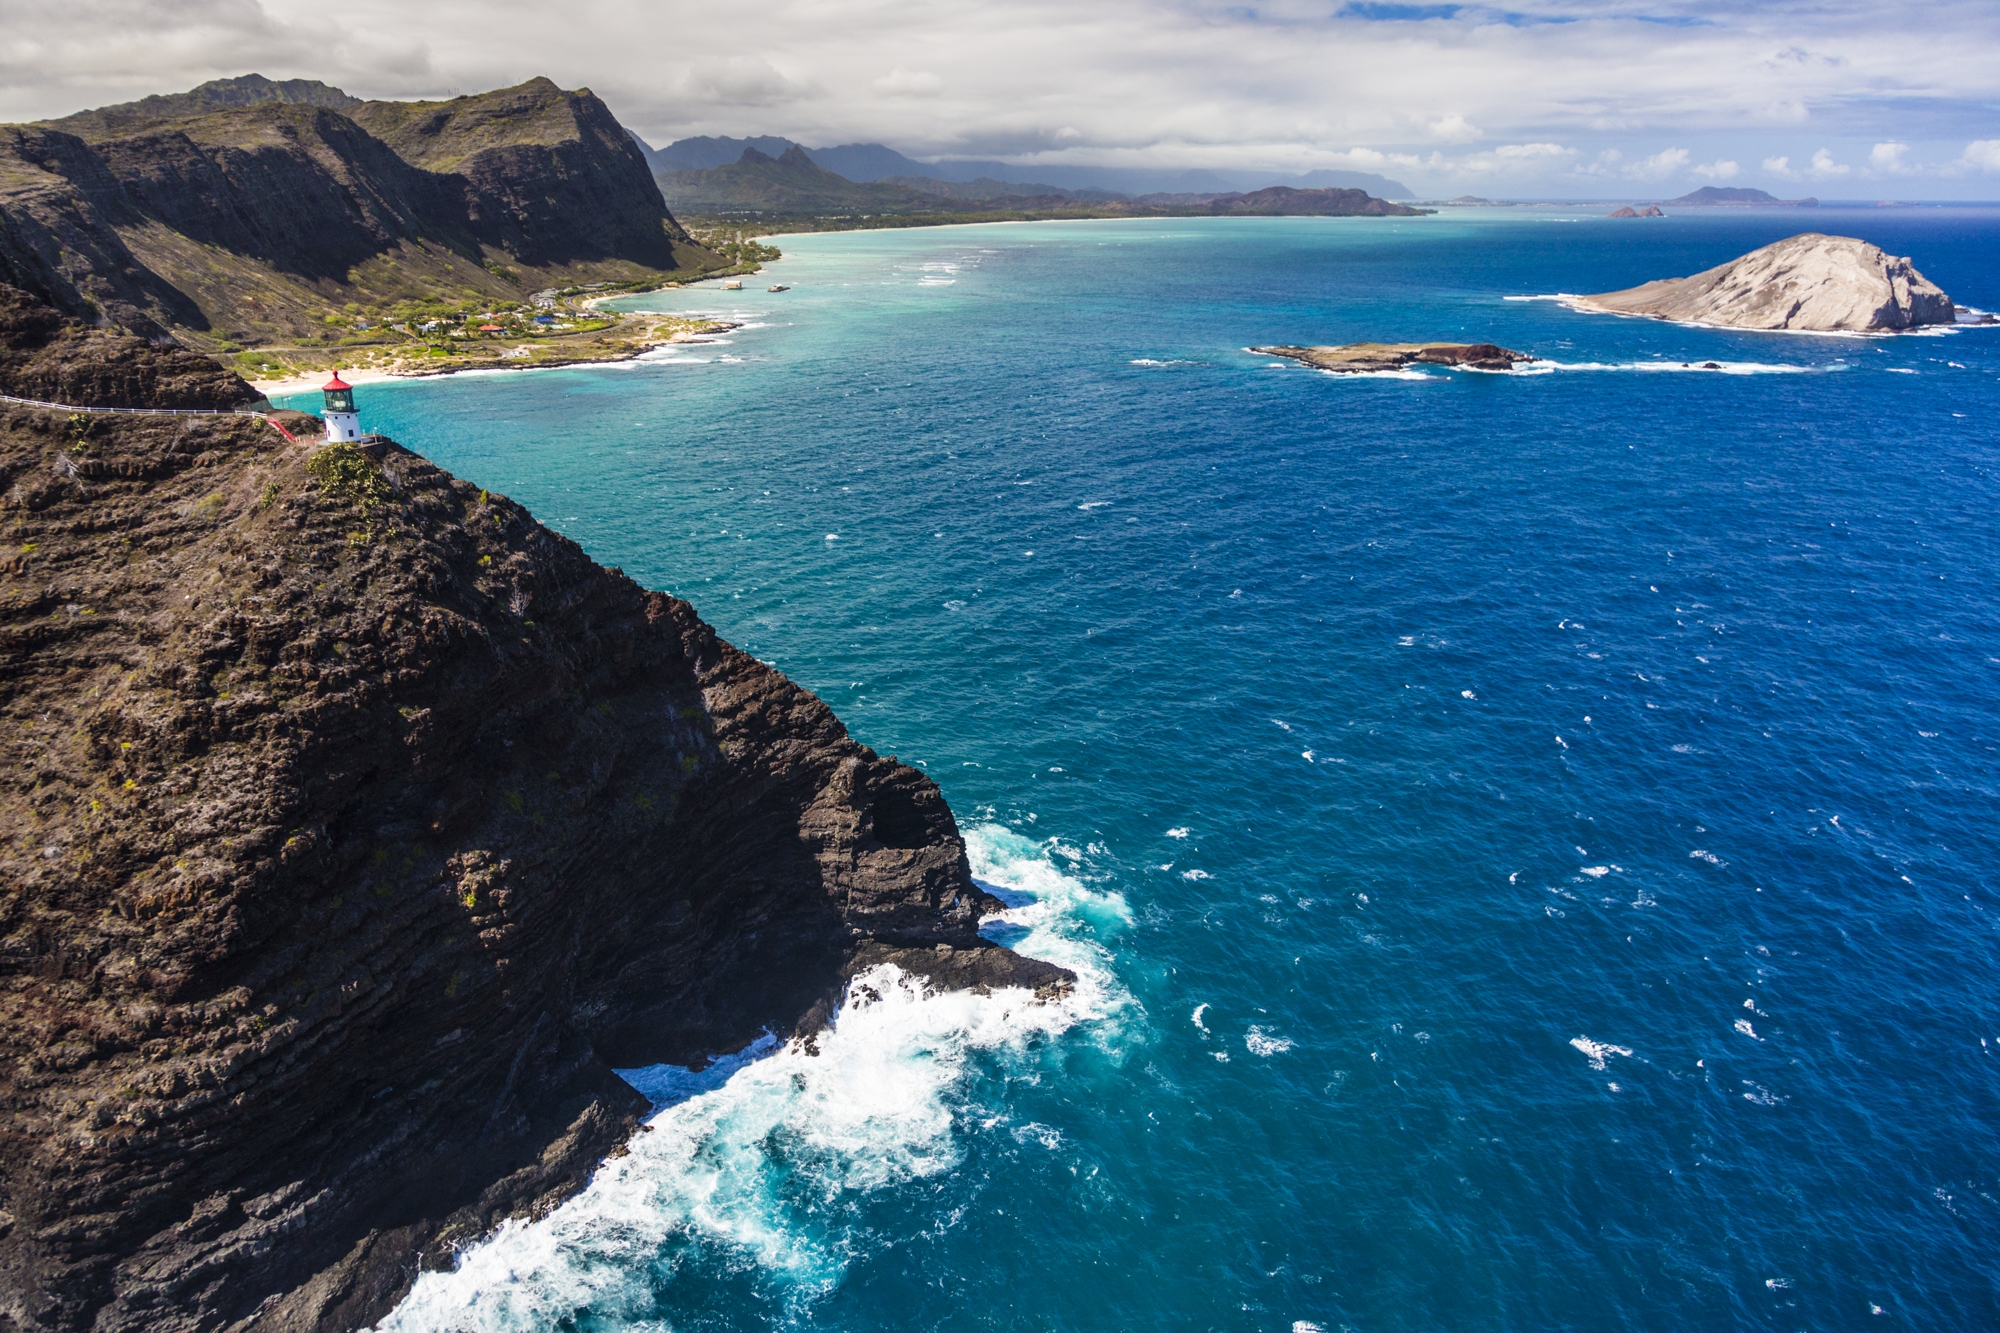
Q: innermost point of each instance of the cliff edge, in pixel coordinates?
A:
(355, 827)
(1808, 282)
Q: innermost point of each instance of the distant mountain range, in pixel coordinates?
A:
(793, 185)
(866, 162)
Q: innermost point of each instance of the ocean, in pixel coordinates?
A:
(1528, 840)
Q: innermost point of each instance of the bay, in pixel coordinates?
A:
(1529, 839)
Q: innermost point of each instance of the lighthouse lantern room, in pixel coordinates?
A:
(342, 421)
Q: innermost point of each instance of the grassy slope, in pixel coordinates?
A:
(279, 162)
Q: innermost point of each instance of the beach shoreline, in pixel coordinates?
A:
(358, 376)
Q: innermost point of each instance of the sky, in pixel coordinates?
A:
(1839, 99)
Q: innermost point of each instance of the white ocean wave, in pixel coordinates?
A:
(1598, 1052)
(1263, 1042)
(760, 1157)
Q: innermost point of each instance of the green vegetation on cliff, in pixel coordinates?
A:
(231, 225)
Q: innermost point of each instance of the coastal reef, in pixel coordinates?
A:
(355, 828)
(1808, 282)
(1373, 358)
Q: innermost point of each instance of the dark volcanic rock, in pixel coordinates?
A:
(1369, 358)
(355, 827)
(50, 357)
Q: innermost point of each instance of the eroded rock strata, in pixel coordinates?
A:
(1808, 282)
(355, 827)
(1367, 358)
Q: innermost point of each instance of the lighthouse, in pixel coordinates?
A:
(342, 421)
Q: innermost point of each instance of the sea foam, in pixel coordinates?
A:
(757, 1165)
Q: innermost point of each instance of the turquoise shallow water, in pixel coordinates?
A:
(1529, 839)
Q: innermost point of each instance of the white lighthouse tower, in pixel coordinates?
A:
(342, 421)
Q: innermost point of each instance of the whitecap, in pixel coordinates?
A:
(1705, 367)
(1262, 1042)
(1177, 833)
(1598, 1052)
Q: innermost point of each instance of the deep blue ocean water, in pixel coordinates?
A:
(1530, 840)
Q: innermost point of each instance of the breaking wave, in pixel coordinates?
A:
(757, 1170)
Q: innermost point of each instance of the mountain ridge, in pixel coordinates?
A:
(794, 188)
(175, 217)
(865, 163)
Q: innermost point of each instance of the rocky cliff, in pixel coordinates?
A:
(355, 827)
(212, 220)
(1806, 282)
(52, 357)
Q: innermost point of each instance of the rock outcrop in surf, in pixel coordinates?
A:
(1373, 358)
(357, 827)
(1807, 282)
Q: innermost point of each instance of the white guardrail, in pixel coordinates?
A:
(264, 417)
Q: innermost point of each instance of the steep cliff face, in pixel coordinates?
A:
(61, 210)
(193, 213)
(304, 189)
(355, 826)
(549, 176)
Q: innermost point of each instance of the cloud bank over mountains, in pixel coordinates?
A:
(1582, 97)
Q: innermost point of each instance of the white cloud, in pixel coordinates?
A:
(1529, 150)
(1659, 166)
(1454, 129)
(1285, 84)
(901, 82)
(1982, 155)
(1825, 168)
(1780, 167)
(739, 81)
(1889, 158)
(1721, 170)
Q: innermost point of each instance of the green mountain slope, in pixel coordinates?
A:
(260, 223)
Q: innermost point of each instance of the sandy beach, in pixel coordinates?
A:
(306, 383)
